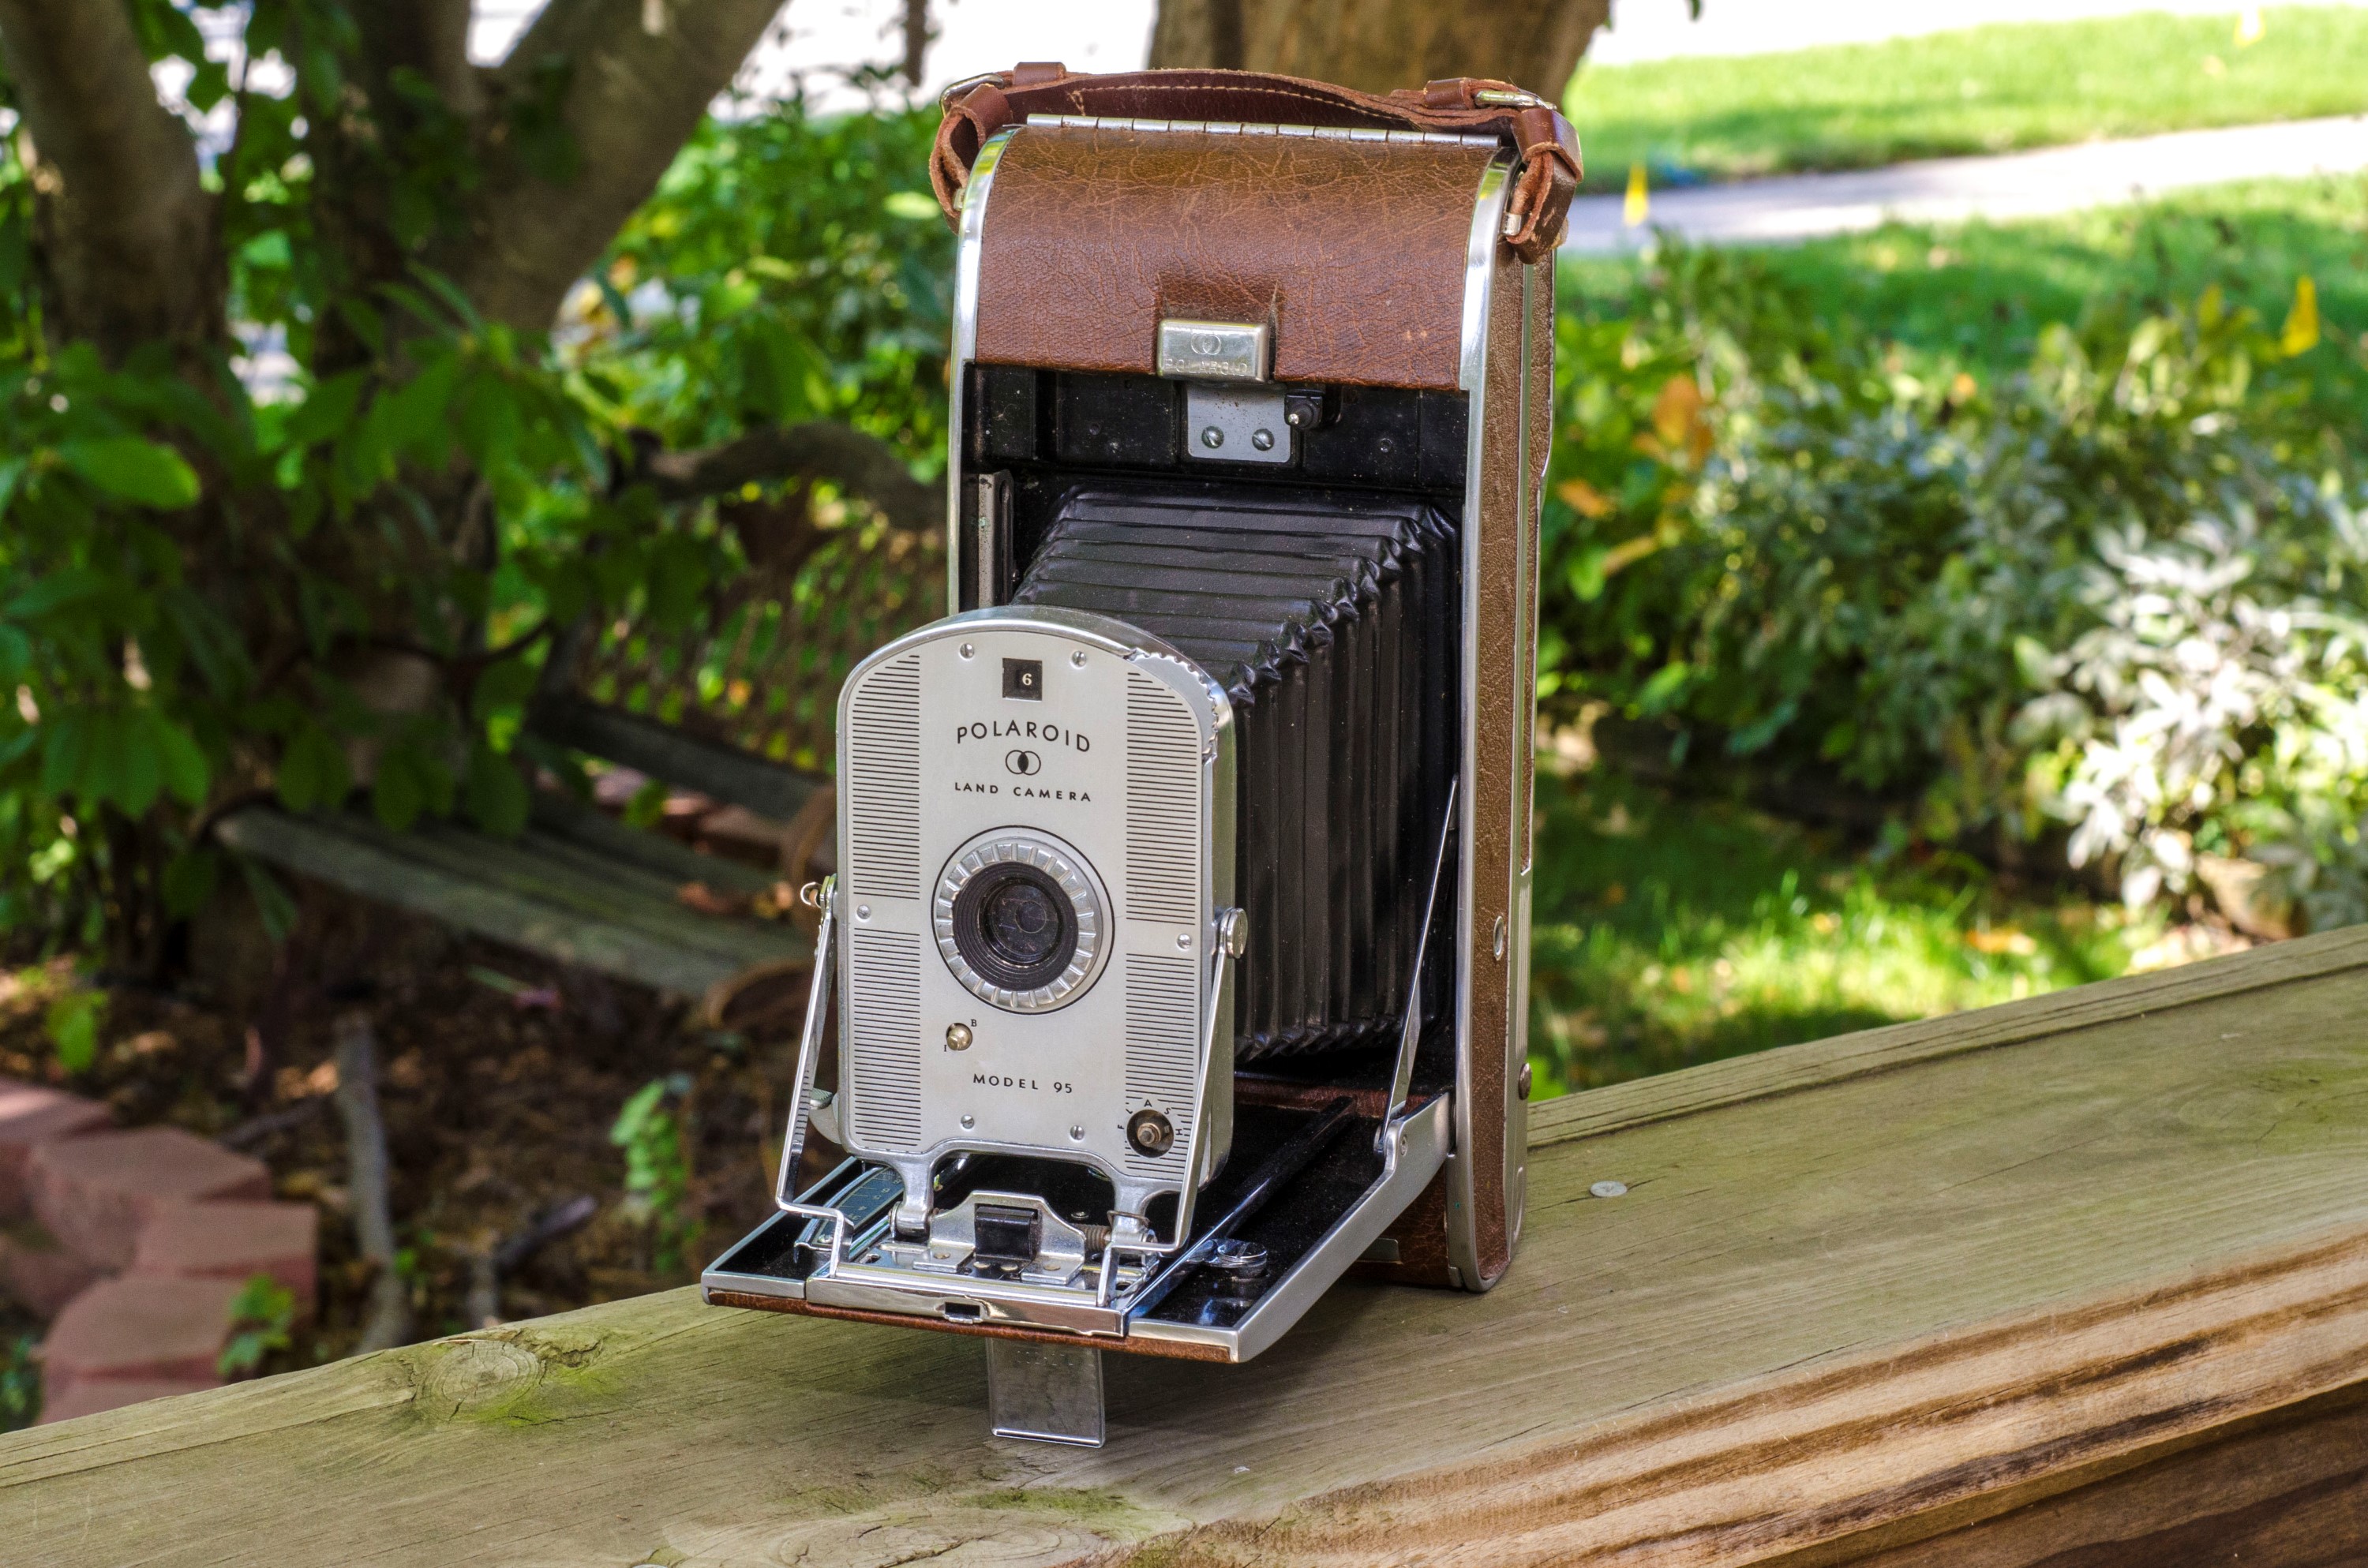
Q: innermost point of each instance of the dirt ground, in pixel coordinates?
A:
(502, 1075)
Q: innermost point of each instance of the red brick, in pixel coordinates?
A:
(92, 1395)
(234, 1241)
(94, 1192)
(31, 1115)
(142, 1328)
(37, 1273)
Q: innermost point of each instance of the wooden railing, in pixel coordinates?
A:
(2082, 1280)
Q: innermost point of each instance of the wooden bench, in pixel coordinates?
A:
(738, 710)
(2076, 1280)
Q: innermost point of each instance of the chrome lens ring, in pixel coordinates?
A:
(1062, 867)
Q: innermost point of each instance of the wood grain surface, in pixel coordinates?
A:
(2055, 1295)
(591, 891)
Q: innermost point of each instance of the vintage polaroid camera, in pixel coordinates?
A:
(1178, 943)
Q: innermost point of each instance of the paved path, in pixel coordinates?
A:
(1947, 190)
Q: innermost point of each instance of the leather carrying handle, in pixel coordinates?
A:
(1543, 184)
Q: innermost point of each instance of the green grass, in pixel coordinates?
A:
(1974, 295)
(1987, 89)
(1671, 932)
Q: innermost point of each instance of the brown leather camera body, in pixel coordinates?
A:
(1403, 243)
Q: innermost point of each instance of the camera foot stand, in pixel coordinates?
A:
(1050, 1393)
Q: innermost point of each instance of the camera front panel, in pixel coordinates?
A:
(1029, 830)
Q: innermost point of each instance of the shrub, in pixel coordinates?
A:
(1773, 538)
(205, 581)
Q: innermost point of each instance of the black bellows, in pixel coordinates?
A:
(1331, 623)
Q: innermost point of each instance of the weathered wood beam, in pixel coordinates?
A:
(726, 772)
(542, 893)
(1909, 1292)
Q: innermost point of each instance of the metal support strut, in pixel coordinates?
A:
(1048, 1394)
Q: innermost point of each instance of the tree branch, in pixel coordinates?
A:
(630, 98)
(126, 229)
(369, 1179)
(430, 37)
(821, 449)
(1381, 44)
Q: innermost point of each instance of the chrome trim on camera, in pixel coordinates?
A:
(1479, 278)
(1479, 270)
(1400, 136)
(967, 245)
(1088, 901)
(1412, 1153)
(1410, 1037)
(810, 1045)
(1409, 1161)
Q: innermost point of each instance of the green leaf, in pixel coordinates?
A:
(262, 1313)
(1586, 575)
(185, 771)
(912, 204)
(136, 760)
(635, 1112)
(327, 410)
(312, 771)
(501, 687)
(72, 1024)
(1662, 690)
(413, 416)
(272, 904)
(56, 591)
(647, 808)
(132, 470)
(188, 881)
(209, 85)
(401, 790)
(269, 250)
(64, 751)
(2035, 662)
(496, 792)
(491, 424)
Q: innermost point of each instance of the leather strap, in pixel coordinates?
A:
(1543, 183)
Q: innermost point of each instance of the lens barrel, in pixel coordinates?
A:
(1015, 925)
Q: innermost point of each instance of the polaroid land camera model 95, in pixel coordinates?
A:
(1178, 944)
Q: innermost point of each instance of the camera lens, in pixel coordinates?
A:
(1015, 926)
(1021, 920)
(1022, 924)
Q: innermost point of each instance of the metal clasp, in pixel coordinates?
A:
(1216, 350)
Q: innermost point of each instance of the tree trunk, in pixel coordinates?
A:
(125, 229)
(1376, 45)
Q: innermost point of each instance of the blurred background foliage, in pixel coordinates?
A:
(788, 269)
(1929, 616)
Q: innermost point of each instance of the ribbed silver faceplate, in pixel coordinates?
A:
(1119, 764)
